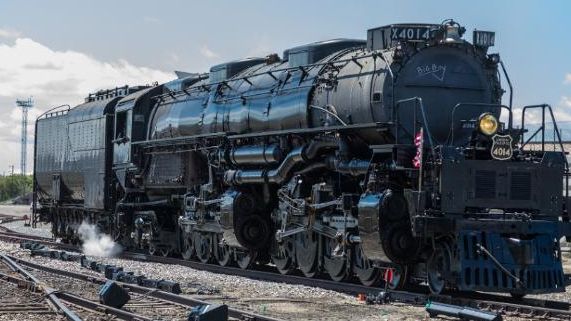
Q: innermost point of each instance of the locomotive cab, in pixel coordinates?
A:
(130, 127)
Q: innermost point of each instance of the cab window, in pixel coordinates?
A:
(123, 125)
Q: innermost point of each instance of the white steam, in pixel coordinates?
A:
(96, 243)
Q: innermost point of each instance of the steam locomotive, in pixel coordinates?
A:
(346, 157)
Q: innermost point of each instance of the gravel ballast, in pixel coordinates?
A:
(283, 301)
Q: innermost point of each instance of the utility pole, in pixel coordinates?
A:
(25, 105)
(12, 168)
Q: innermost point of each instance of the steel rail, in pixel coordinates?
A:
(18, 237)
(33, 283)
(346, 287)
(11, 218)
(91, 305)
(536, 307)
(76, 300)
(158, 294)
(25, 308)
(50, 293)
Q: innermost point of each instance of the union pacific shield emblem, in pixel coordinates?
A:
(502, 148)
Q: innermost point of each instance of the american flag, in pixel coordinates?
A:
(418, 142)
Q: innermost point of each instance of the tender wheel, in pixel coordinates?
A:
(202, 247)
(437, 265)
(399, 244)
(244, 258)
(282, 255)
(364, 269)
(165, 252)
(336, 267)
(306, 253)
(152, 249)
(222, 251)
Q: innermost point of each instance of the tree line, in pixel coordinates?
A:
(14, 185)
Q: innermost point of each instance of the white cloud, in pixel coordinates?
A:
(173, 57)
(563, 110)
(53, 78)
(567, 79)
(207, 53)
(7, 33)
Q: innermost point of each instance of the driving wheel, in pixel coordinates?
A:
(282, 255)
(306, 253)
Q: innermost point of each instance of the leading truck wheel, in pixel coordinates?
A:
(397, 278)
(437, 266)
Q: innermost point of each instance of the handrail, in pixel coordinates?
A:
(389, 68)
(509, 83)
(301, 68)
(54, 108)
(418, 102)
(510, 115)
(542, 128)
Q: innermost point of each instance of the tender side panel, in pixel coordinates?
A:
(85, 163)
(51, 144)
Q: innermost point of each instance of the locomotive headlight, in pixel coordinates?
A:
(488, 124)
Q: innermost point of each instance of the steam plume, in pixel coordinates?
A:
(96, 243)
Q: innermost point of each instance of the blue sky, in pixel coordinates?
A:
(117, 42)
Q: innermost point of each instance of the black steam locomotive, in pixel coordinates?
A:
(348, 157)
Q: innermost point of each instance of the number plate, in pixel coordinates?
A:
(502, 148)
(410, 33)
(484, 38)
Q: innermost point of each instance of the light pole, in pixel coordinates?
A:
(25, 105)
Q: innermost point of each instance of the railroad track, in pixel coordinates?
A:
(20, 303)
(4, 218)
(143, 300)
(530, 308)
(60, 301)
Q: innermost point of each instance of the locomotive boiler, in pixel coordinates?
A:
(346, 157)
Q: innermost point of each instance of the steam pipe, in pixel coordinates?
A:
(353, 167)
(281, 173)
(255, 155)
